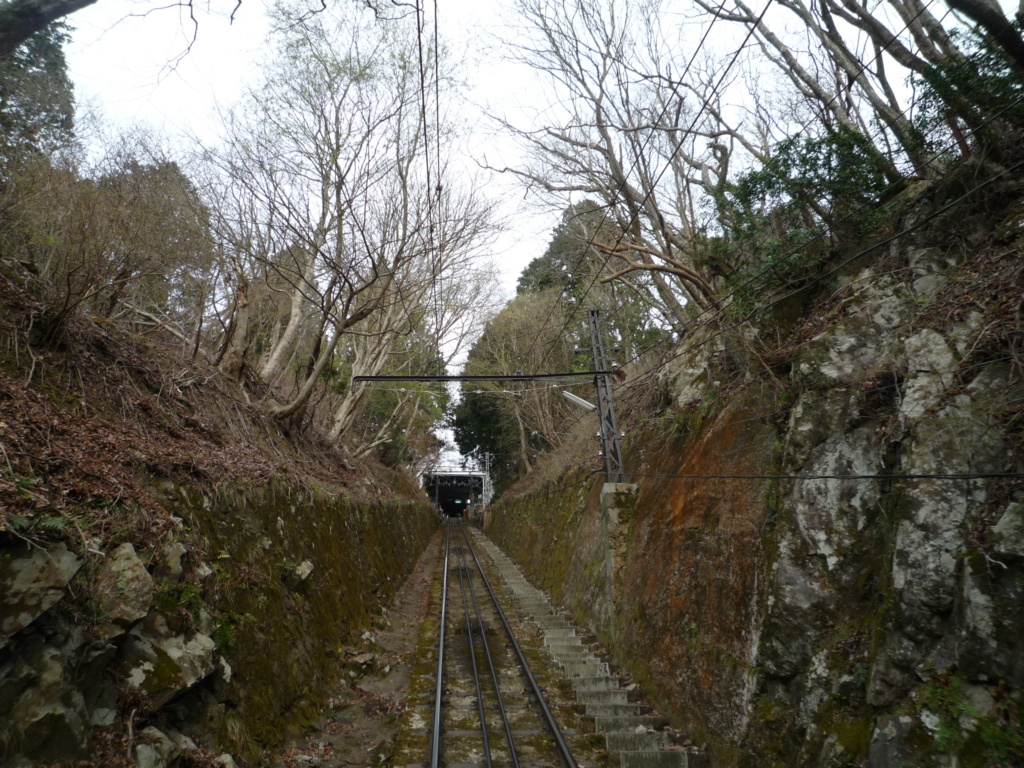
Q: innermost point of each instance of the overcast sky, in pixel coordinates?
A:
(131, 60)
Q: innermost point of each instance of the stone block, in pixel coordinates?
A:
(124, 588)
(31, 582)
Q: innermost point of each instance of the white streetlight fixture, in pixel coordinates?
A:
(578, 401)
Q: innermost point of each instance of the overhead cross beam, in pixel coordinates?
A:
(500, 377)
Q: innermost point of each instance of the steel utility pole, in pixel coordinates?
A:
(487, 480)
(610, 447)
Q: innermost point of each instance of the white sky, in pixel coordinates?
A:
(128, 59)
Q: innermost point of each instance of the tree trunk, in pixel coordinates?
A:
(281, 351)
(989, 17)
(524, 445)
(20, 19)
(233, 360)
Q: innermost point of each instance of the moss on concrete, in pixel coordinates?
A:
(282, 633)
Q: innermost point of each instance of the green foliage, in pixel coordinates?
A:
(405, 416)
(131, 229)
(32, 525)
(820, 187)
(36, 97)
(514, 422)
(962, 730)
(977, 87)
(569, 267)
(480, 422)
(19, 522)
(224, 633)
(838, 170)
(186, 595)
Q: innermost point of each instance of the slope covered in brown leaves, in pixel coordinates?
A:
(91, 425)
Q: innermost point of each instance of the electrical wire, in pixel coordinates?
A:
(818, 116)
(892, 238)
(935, 476)
(604, 216)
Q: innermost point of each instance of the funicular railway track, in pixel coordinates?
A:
(505, 679)
(488, 707)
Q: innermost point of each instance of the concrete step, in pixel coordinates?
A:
(628, 723)
(551, 634)
(599, 683)
(613, 710)
(584, 668)
(551, 623)
(626, 741)
(570, 641)
(579, 657)
(536, 608)
(596, 689)
(617, 696)
(658, 759)
(577, 652)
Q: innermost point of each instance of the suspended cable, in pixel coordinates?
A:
(935, 476)
(635, 216)
(604, 216)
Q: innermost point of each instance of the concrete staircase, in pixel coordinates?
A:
(635, 737)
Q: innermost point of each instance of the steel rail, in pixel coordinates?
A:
(435, 746)
(556, 732)
(494, 672)
(463, 578)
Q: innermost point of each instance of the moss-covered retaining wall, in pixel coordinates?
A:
(223, 637)
(672, 587)
(293, 576)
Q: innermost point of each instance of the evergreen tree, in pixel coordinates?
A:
(36, 97)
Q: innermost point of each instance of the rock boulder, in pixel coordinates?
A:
(31, 581)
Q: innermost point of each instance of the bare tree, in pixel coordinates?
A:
(643, 144)
(331, 212)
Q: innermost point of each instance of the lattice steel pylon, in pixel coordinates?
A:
(610, 445)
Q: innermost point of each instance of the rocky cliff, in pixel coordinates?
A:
(823, 564)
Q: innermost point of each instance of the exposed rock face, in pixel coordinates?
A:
(31, 582)
(48, 720)
(865, 612)
(124, 588)
(169, 566)
(163, 663)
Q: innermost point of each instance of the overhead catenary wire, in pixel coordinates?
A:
(483, 377)
(891, 476)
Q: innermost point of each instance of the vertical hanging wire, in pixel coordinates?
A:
(435, 257)
(437, 192)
